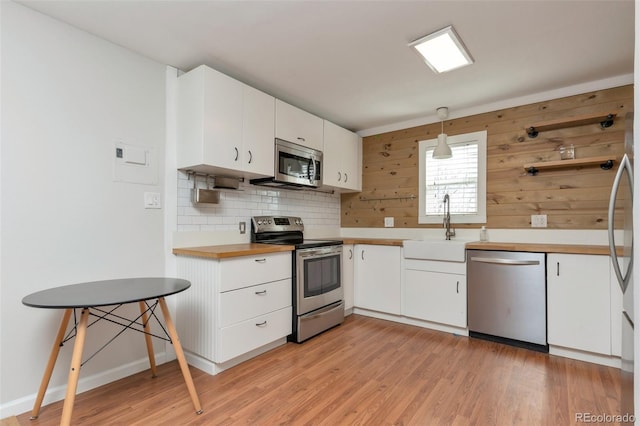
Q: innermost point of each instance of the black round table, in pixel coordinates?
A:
(91, 296)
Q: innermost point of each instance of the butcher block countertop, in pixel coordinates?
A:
(250, 249)
(370, 241)
(539, 248)
(232, 250)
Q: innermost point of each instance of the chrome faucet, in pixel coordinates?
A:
(447, 218)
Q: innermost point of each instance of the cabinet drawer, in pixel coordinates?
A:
(246, 271)
(251, 334)
(249, 302)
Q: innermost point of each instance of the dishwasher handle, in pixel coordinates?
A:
(499, 261)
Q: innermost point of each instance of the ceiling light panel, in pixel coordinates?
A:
(443, 50)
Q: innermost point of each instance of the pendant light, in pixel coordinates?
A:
(442, 150)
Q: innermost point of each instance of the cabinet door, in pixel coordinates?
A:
(209, 123)
(348, 256)
(298, 126)
(222, 145)
(435, 296)
(578, 302)
(258, 132)
(616, 315)
(341, 157)
(378, 274)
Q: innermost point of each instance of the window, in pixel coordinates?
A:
(463, 177)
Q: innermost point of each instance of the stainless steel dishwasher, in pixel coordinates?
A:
(507, 299)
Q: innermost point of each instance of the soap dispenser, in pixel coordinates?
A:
(483, 234)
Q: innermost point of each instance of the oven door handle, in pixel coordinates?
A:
(319, 252)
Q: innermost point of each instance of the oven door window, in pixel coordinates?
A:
(321, 275)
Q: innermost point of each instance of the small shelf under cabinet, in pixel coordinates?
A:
(605, 163)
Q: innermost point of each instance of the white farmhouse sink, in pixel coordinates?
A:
(450, 251)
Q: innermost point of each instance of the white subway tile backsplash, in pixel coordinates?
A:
(317, 209)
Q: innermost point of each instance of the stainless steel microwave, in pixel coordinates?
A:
(295, 165)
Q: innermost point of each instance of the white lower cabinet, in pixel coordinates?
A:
(240, 338)
(234, 306)
(579, 302)
(616, 315)
(436, 292)
(378, 275)
(348, 256)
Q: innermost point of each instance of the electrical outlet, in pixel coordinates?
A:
(388, 222)
(538, 220)
(243, 227)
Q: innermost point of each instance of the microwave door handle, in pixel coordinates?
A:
(622, 280)
(310, 168)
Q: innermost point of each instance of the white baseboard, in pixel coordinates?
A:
(214, 368)
(608, 360)
(57, 393)
(412, 321)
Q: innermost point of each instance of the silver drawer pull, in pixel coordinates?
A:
(261, 293)
(260, 260)
(262, 324)
(504, 261)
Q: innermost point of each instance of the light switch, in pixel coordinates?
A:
(388, 222)
(152, 200)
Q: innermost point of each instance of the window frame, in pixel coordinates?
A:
(423, 146)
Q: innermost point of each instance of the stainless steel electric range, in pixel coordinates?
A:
(317, 293)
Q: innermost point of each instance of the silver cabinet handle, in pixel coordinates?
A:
(261, 293)
(346, 177)
(362, 255)
(261, 324)
(237, 154)
(557, 269)
(339, 176)
(263, 260)
(457, 287)
(625, 164)
(350, 254)
(499, 261)
(250, 156)
(301, 139)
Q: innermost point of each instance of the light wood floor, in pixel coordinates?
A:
(366, 371)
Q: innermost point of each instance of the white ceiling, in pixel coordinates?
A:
(348, 61)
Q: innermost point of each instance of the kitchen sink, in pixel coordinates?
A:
(433, 249)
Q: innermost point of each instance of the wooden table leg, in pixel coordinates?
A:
(147, 338)
(53, 357)
(74, 372)
(180, 355)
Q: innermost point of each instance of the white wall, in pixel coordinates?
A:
(66, 97)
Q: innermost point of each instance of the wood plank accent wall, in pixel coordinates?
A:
(573, 198)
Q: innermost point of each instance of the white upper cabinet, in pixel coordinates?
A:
(223, 125)
(298, 126)
(342, 158)
(258, 132)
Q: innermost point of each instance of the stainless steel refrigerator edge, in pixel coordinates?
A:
(622, 199)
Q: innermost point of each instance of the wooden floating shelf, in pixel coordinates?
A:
(605, 120)
(605, 163)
